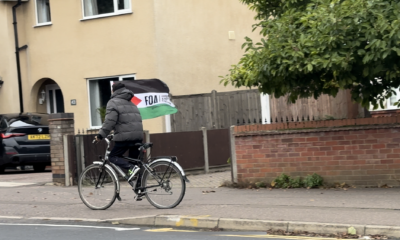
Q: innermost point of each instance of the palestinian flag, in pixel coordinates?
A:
(151, 97)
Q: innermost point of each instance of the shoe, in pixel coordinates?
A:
(129, 173)
(139, 196)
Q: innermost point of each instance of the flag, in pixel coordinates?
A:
(151, 97)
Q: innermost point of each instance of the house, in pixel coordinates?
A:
(69, 51)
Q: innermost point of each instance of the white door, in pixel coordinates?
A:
(55, 99)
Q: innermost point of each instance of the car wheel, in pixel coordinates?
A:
(2, 168)
(39, 167)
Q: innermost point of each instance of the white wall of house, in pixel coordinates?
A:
(185, 43)
(9, 101)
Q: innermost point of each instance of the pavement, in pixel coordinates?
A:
(208, 206)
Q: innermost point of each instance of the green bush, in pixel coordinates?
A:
(282, 181)
(313, 180)
(296, 182)
(285, 181)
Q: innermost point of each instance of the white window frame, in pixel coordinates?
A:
(120, 78)
(115, 13)
(37, 18)
(389, 106)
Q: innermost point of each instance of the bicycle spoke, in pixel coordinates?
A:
(165, 187)
(97, 187)
(152, 192)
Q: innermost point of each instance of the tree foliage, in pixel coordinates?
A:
(314, 47)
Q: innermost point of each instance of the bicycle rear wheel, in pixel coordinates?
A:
(165, 187)
(97, 187)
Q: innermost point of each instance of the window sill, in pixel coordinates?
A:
(43, 24)
(105, 16)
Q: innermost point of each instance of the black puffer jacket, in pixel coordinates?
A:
(123, 117)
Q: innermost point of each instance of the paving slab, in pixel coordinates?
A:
(26, 177)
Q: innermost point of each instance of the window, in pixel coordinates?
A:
(99, 94)
(54, 99)
(43, 16)
(388, 103)
(28, 121)
(392, 100)
(97, 8)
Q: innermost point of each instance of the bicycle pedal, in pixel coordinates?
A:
(139, 199)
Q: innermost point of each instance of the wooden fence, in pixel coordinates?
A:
(222, 110)
(214, 110)
(325, 107)
(188, 147)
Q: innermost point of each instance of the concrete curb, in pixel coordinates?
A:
(206, 222)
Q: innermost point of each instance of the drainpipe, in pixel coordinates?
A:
(17, 49)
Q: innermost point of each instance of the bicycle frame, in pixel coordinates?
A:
(114, 169)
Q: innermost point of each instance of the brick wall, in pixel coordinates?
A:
(60, 124)
(377, 121)
(365, 155)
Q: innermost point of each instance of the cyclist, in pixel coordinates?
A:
(124, 118)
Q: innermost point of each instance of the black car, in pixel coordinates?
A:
(24, 140)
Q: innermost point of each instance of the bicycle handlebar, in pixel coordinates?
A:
(147, 145)
(108, 139)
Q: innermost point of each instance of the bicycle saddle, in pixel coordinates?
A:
(145, 145)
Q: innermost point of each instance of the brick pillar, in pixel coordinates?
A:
(60, 124)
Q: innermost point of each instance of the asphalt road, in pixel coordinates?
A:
(359, 206)
(42, 230)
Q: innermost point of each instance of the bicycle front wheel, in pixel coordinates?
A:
(165, 186)
(97, 187)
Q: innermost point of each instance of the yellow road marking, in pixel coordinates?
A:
(276, 236)
(168, 230)
(193, 220)
(196, 216)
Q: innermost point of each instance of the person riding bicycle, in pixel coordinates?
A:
(124, 118)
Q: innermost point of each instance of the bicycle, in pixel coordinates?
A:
(156, 179)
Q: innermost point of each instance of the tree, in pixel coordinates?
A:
(314, 47)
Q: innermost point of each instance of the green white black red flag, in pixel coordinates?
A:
(151, 97)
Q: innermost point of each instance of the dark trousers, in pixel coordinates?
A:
(118, 151)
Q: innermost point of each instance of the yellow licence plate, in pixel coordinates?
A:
(39, 137)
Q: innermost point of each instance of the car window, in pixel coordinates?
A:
(19, 123)
(28, 121)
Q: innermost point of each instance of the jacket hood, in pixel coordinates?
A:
(123, 93)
